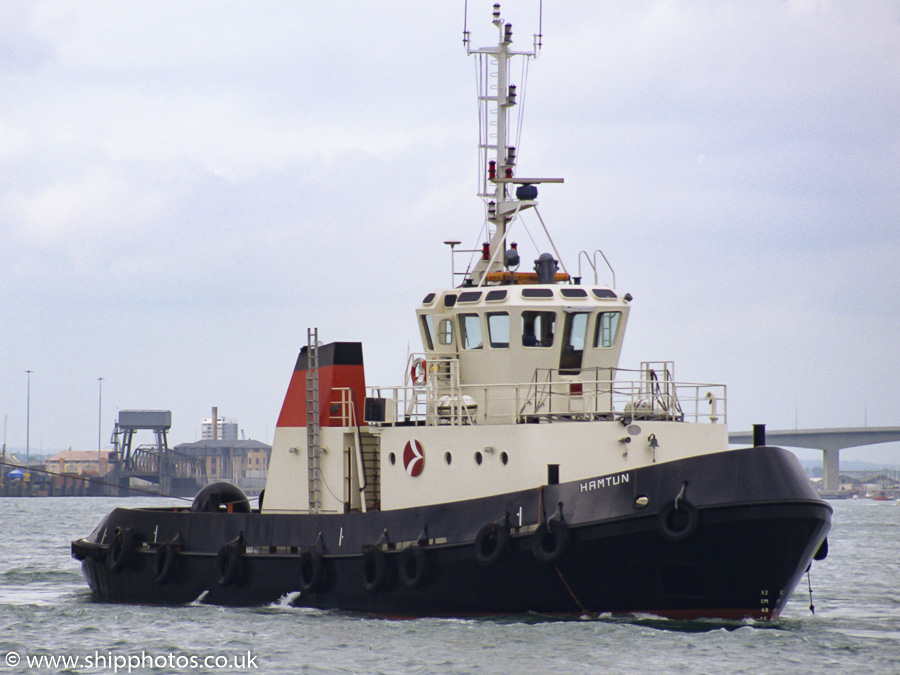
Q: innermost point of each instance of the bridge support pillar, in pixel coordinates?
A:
(831, 481)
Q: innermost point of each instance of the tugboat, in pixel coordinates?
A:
(517, 469)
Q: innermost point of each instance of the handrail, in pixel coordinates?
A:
(347, 417)
(550, 396)
(592, 261)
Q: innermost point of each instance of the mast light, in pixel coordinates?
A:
(511, 257)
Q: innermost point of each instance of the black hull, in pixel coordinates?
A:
(748, 526)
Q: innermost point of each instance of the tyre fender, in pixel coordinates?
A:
(121, 550)
(491, 543)
(373, 568)
(221, 493)
(312, 570)
(165, 564)
(550, 541)
(229, 564)
(677, 522)
(413, 566)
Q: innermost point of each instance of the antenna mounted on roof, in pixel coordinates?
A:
(538, 37)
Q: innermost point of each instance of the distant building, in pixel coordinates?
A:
(78, 462)
(242, 462)
(227, 429)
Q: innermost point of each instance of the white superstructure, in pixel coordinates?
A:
(517, 383)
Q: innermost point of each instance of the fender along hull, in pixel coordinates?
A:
(746, 529)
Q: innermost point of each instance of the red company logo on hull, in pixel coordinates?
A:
(413, 458)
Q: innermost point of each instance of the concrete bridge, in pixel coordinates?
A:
(829, 441)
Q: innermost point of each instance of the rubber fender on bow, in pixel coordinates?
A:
(312, 570)
(229, 564)
(491, 543)
(822, 551)
(550, 541)
(121, 549)
(219, 494)
(374, 568)
(165, 564)
(677, 521)
(413, 566)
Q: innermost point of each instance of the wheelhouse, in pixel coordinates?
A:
(506, 335)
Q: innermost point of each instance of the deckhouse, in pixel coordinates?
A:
(507, 349)
(562, 334)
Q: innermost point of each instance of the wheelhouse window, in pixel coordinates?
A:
(470, 331)
(537, 328)
(445, 332)
(498, 329)
(605, 332)
(428, 328)
(576, 331)
(574, 337)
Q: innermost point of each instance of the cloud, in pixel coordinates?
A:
(185, 187)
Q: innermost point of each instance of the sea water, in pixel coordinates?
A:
(50, 623)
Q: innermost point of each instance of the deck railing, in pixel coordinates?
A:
(552, 396)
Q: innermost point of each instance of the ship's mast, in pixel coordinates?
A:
(497, 96)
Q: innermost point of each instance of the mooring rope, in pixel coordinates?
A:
(584, 612)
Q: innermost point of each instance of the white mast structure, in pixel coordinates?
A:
(497, 158)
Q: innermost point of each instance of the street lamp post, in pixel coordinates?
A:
(99, 425)
(28, 420)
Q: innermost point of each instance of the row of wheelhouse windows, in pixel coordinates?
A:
(537, 328)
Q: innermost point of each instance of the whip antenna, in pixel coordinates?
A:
(466, 24)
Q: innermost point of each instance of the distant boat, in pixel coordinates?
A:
(881, 497)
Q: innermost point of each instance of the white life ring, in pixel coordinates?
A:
(418, 373)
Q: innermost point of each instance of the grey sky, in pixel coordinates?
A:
(186, 186)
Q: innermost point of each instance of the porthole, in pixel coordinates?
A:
(448, 458)
(478, 457)
(504, 458)
(392, 458)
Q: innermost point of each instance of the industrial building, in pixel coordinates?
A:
(226, 429)
(242, 462)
